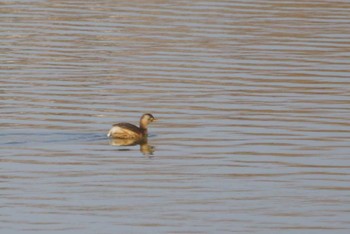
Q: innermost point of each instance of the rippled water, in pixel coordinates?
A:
(253, 102)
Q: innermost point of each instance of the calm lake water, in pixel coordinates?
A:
(253, 102)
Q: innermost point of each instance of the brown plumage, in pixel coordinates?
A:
(130, 131)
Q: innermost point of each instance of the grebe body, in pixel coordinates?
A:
(130, 131)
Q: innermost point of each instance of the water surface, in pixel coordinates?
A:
(253, 106)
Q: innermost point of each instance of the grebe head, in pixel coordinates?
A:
(146, 119)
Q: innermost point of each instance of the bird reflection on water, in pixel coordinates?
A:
(145, 148)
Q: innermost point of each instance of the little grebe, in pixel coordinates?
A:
(130, 131)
